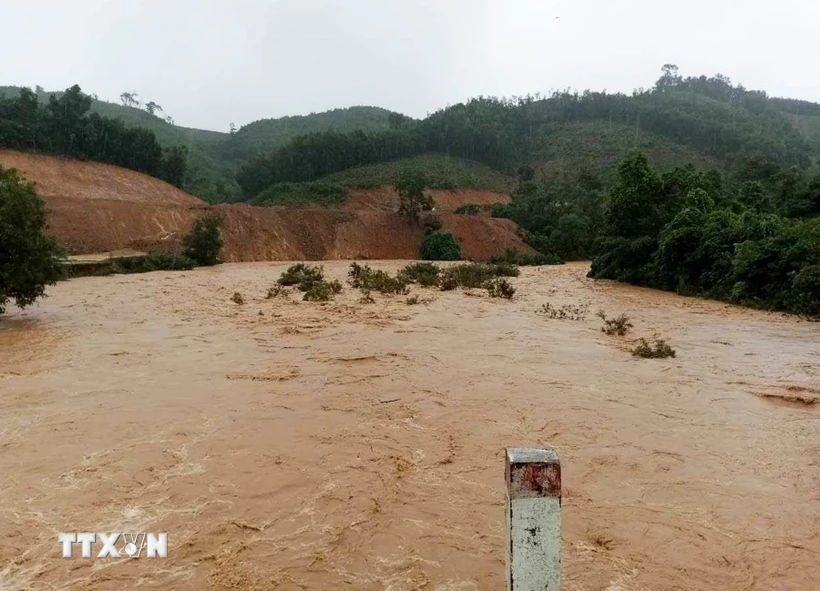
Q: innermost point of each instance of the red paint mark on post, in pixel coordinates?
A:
(535, 480)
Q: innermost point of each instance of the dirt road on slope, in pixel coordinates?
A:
(292, 445)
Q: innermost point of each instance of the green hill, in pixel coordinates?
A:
(598, 146)
(269, 134)
(809, 128)
(214, 157)
(707, 122)
(441, 172)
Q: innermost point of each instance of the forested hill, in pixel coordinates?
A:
(214, 157)
(708, 122)
(705, 121)
(268, 134)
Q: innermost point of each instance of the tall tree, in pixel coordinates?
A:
(152, 107)
(29, 260)
(129, 99)
(412, 201)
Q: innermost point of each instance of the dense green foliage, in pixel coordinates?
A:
(368, 279)
(412, 201)
(314, 193)
(474, 275)
(438, 246)
(268, 134)
(424, 274)
(301, 275)
(204, 242)
(65, 127)
(703, 119)
(29, 260)
(560, 213)
(309, 279)
(752, 238)
(440, 172)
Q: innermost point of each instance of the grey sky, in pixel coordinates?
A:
(210, 62)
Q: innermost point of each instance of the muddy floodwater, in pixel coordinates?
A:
(293, 445)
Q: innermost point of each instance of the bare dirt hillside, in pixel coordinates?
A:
(97, 208)
(285, 444)
(58, 178)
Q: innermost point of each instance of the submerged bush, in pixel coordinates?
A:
(309, 279)
(566, 312)
(474, 275)
(278, 291)
(515, 257)
(302, 275)
(318, 292)
(364, 277)
(237, 298)
(615, 326)
(204, 242)
(425, 274)
(658, 350)
(153, 262)
(500, 288)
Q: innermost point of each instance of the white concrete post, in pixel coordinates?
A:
(533, 520)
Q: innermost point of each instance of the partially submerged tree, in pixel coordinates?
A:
(29, 260)
(204, 243)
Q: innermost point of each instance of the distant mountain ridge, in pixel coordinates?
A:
(708, 122)
(215, 156)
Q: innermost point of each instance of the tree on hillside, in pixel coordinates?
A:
(65, 119)
(412, 201)
(29, 260)
(152, 107)
(174, 165)
(634, 198)
(129, 99)
(670, 77)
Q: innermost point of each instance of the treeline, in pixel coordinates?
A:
(726, 122)
(64, 126)
(563, 212)
(752, 239)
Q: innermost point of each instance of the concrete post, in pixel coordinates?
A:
(533, 520)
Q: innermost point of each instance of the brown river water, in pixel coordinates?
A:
(293, 445)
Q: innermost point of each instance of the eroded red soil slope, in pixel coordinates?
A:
(96, 207)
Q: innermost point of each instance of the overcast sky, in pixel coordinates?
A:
(212, 62)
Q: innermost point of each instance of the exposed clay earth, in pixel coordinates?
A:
(292, 445)
(95, 208)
